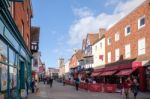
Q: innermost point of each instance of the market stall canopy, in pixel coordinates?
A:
(108, 73)
(125, 72)
(95, 74)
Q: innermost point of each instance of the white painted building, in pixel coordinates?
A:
(98, 50)
(67, 70)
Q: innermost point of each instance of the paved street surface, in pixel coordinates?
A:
(58, 91)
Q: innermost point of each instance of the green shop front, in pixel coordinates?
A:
(15, 58)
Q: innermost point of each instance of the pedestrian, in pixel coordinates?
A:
(77, 82)
(36, 86)
(50, 81)
(127, 86)
(32, 85)
(135, 88)
(63, 81)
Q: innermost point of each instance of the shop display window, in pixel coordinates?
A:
(1, 27)
(13, 77)
(3, 52)
(12, 57)
(3, 77)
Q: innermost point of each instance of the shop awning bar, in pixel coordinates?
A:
(125, 72)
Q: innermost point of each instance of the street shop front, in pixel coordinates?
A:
(15, 58)
(111, 78)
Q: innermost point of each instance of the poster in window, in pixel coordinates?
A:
(3, 77)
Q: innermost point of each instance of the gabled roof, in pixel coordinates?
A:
(79, 54)
(92, 38)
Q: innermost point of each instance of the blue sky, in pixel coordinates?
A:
(64, 23)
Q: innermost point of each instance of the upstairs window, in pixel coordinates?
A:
(109, 41)
(109, 57)
(141, 46)
(141, 22)
(117, 36)
(127, 51)
(127, 30)
(117, 54)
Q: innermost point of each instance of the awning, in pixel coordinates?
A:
(108, 73)
(95, 74)
(125, 72)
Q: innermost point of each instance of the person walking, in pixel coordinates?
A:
(50, 82)
(63, 81)
(77, 82)
(32, 85)
(36, 86)
(127, 86)
(135, 88)
(44, 80)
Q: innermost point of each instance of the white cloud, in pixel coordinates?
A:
(82, 12)
(111, 2)
(87, 22)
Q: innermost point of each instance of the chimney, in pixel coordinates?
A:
(101, 32)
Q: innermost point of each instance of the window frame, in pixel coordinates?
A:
(109, 57)
(126, 29)
(139, 22)
(117, 51)
(117, 36)
(141, 51)
(127, 53)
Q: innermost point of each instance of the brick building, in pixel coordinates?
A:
(15, 61)
(127, 43)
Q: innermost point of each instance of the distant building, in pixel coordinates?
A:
(61, 65)
(53, 72)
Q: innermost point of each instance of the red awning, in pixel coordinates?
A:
(125, 72)
(108, 73)
(95, 74)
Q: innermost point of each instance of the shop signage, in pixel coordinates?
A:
(136, 65)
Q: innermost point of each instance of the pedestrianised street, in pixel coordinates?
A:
(58, 91)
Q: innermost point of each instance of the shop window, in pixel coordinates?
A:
(3, 52)
(141, 46)
(141, 22)
(3, 78)
(1, 27)
(13, 77)
(13, 82)
(12, 57)
(127, 30)
(11, 38)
